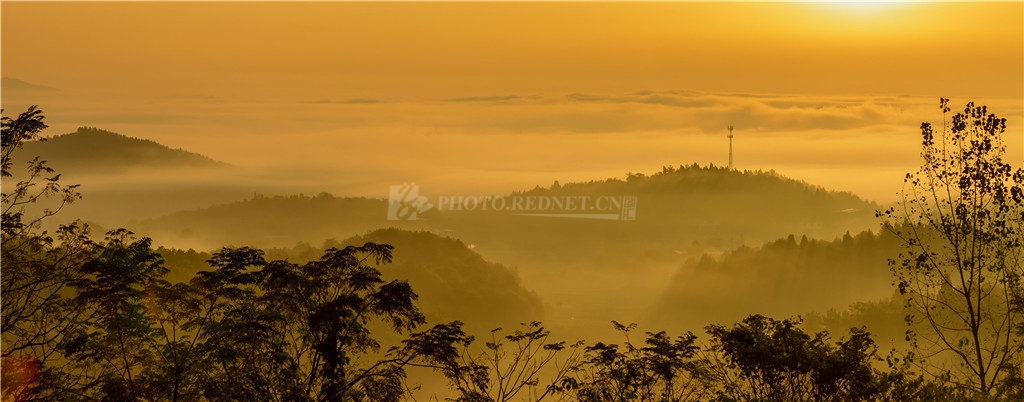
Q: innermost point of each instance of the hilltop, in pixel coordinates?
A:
(680, 212)
(689, 210)
(92, 150)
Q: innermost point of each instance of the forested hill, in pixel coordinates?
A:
(92, 150)
(272, 221)
(717, 198)
(785, 277)
(680, 212)
(453, 282)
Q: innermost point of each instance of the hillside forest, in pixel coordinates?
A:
(729, 285)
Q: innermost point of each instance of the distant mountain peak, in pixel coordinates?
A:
(9, 83)
(91, 149)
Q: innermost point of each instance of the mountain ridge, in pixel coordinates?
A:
(720, 207)
(93, 150)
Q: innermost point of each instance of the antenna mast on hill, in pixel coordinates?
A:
(730, 147)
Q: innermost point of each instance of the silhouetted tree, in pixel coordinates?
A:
(663, 370)
(511, 364)
(118, 345)
(38, 267)
(961, 219)
(763, 359)
(302, 332)
(247, 329)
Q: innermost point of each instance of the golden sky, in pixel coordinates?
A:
(505, 96)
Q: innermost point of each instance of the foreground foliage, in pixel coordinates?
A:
(961, 221)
